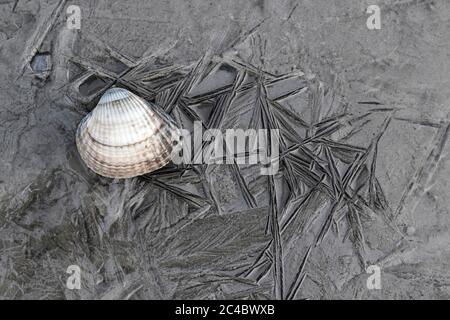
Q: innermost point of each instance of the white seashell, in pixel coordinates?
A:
(126, 136)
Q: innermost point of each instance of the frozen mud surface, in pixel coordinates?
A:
(363, 118)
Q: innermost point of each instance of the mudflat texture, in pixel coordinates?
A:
(363, 177)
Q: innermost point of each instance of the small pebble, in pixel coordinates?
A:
(42, 65)
(410, 230)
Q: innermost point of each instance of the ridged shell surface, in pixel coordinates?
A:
(126, 136)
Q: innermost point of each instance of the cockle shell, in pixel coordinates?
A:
(126, 136)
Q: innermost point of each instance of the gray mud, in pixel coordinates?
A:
(369, 187)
